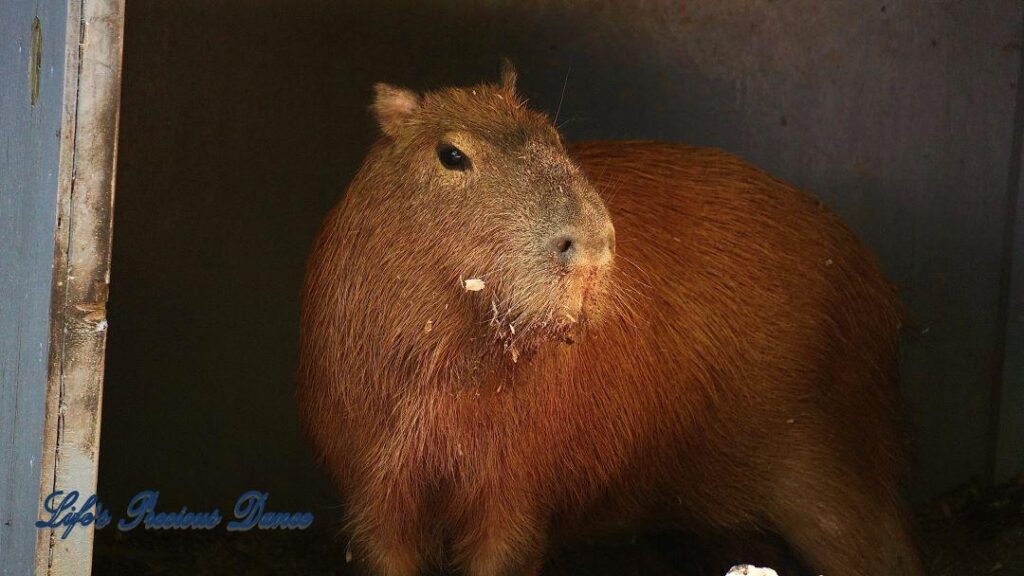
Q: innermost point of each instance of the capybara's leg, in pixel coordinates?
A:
(841, 529)
(387, 537)
(497, 561)
(502, 541)
(390, 560)
(386, 552)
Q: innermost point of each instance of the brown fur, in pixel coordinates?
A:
(731, 369)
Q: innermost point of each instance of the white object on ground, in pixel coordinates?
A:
(748, 570)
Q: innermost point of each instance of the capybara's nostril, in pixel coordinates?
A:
(583, 247)
(564, 247)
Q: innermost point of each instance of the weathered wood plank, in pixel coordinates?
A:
(81, 271)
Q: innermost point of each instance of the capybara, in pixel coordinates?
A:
(508, 342)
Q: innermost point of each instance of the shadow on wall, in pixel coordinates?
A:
(243, 120)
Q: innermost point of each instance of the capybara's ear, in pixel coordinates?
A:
(508, 75)
(393, 106)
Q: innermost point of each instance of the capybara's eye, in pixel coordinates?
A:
(452, 158)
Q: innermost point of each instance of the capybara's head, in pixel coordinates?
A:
(483, 195)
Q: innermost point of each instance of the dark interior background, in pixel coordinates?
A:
(242, 121)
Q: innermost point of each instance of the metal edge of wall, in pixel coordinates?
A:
(1009, 449)
(1007, 458)
(81, 272)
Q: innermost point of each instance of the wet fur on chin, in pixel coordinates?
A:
(561, 313)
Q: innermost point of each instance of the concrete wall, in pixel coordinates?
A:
(243, 120)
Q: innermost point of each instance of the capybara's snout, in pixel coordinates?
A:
(585, 245)
(583, 240)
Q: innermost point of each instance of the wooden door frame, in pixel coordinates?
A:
(81, 271)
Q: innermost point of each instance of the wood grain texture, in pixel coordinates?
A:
(81, 272)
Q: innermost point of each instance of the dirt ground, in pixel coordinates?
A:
(973, 531)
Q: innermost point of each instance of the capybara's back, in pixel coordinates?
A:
(507, 343)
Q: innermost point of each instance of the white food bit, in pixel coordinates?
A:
(748, 570)
(474, 285)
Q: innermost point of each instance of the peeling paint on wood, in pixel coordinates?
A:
(35, 61)
(81, 270)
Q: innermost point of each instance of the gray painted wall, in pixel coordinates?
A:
(242, 121)
(29, 140)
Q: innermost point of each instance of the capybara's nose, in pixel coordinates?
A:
(579, 247)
